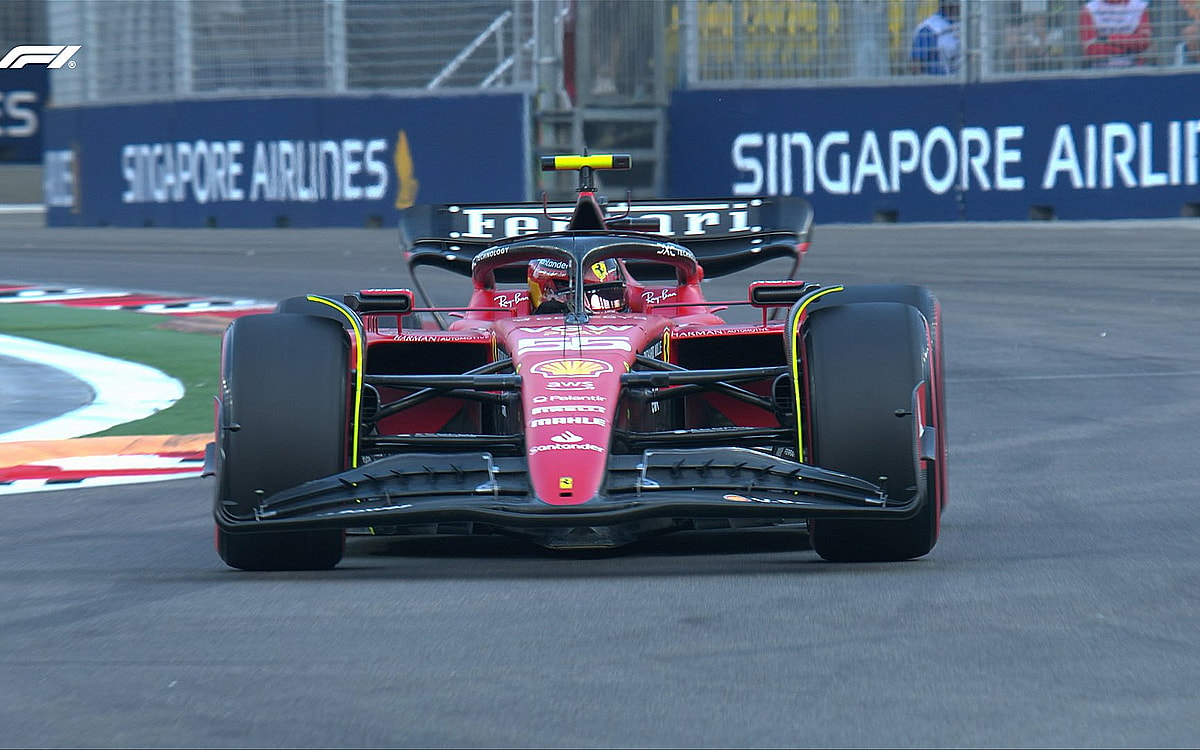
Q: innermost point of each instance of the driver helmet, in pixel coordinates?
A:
(550, 286)
(604, 287)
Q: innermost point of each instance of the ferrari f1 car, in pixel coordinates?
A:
(587, 395)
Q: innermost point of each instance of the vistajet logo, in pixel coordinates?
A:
(50, 55)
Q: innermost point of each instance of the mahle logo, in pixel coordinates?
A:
(50, 55)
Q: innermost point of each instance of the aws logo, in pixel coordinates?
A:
(570, 385)
(571, 368)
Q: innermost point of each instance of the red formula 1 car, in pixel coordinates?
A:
(586, 395)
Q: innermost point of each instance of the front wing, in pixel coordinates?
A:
(706, 483)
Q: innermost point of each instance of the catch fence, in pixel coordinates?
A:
(581, 52)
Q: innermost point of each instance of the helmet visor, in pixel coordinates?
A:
(605, 297)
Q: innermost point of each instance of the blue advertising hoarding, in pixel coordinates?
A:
(22, 100)
(1123, 147)
(302, 162)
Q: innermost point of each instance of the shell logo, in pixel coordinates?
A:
(573, 368)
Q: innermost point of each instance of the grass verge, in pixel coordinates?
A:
(193, 358)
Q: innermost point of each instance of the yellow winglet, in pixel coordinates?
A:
(599, 161)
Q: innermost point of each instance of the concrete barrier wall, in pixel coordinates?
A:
(23, 95)
(20, 184)
(1121, 147)
(1107, 148)
(333, 161)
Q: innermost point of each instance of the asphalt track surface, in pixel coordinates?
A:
(22, 384)
(1061, 607)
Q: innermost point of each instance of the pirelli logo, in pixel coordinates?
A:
(50, 55)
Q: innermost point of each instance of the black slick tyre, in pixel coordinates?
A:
(283, 421)
(924, 300)
(863, 362)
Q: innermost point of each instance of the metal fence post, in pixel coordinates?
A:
(335, 45)
(184, 57)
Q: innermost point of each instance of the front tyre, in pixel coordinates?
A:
(280, 550)
(864, 362)
(922, 299)
(283, 421)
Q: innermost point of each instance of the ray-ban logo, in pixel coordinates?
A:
(50, 55)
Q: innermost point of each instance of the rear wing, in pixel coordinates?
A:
(725, 234)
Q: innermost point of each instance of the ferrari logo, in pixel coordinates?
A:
(566, 483)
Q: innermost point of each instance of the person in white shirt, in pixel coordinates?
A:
(1114, 33)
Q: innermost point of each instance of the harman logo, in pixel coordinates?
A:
(50, 55)
(579, 368)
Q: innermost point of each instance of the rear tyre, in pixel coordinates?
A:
(283, 422)
(864, 360)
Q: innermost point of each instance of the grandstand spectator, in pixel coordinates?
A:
(1188, 49)
(1114, 33)
(1032, 41)
(936, 49)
